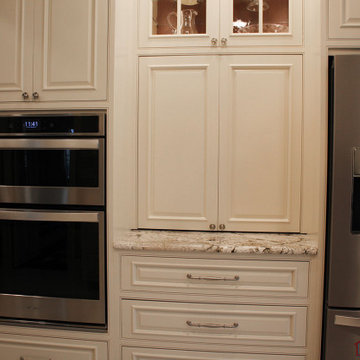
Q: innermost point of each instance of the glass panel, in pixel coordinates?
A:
(73, 168)
(164, 17)
(246, 17)
(54, 259)
(276, 16)
(165, 21)
(193, 18)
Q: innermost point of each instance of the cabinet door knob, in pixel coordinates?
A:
(35, 95)
(222, 227)
(224, 41)
(25, 95)
(214, 41)
(212, 226)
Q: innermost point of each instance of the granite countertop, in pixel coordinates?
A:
(217, 242)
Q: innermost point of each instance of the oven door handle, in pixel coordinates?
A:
(52, 144)
(37, 215)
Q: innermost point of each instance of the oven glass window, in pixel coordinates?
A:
(48, 258)
(65, 168)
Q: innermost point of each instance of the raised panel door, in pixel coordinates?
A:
(70, 50)
(16, 41)
(178, 142)
(31, 348)
(260, 143)
(344, 19)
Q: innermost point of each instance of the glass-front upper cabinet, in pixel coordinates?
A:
(179, 22)
(261, 22)
(220, 23)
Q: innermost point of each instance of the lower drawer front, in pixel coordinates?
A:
(152, 354)
(225, 324)
(30, 349)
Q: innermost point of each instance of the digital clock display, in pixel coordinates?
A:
(31, 124)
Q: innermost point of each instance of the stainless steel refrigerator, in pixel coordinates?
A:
(342, 287)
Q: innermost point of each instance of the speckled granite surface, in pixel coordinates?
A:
(216, 242)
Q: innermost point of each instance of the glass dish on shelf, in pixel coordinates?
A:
(254, 28)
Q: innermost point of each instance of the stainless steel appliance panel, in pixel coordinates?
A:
(344, 260)
(58, 193)
(343, 335)
(48, 276)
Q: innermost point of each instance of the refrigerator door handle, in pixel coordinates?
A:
(347, 321)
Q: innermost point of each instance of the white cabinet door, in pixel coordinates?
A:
(16, 41)
(15, 347)
(260, 142)
(280, 22)
(344, 19)
(160, 25)
(178, 142)
(70, 51)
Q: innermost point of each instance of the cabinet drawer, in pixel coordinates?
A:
(151, 354)
(29, 348)
(218, 277)
(226, 324)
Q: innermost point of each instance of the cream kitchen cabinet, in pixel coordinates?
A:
(213, 323)
(220, 142)
(231, 307)
(15, 347)
(219, 23)
(344, 19)
(53, 50)
(149, 354)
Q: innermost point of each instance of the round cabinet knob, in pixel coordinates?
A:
(25, 95)
(35, 95)
(214, 41)
(222, 227)
(212, 226)
(224, 41)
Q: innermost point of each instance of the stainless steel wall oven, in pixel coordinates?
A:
(52, 218)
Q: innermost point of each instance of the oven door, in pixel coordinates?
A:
(52, 171)
(52, 266)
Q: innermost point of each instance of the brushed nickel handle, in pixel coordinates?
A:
(216, 278)
(212, 326)
(224, 41)
(25, 96)
(222, 227)
(214, 41)
(35, 95)
(347, 321)
(212, 226)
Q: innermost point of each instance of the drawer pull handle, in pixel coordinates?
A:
(347, 321)
(212, 326)
(216, 278)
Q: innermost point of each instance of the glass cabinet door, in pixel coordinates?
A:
(245, 22)
(178, 22)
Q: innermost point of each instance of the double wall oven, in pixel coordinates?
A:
(52, 218)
